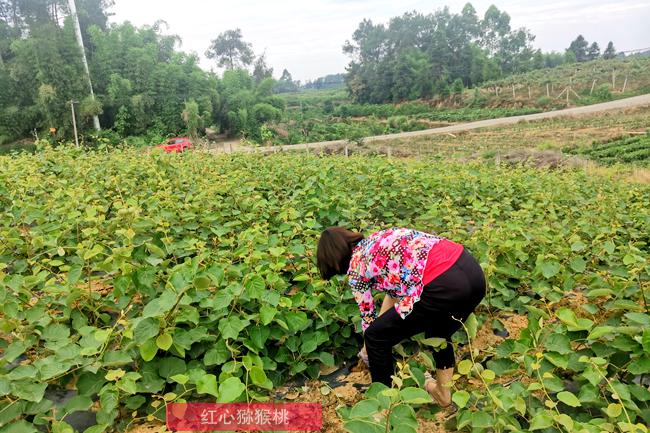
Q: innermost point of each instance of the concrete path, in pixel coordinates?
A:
(635, 101)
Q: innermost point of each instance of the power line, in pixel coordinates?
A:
(640, 50)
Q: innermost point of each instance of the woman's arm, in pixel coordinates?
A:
(389, 302)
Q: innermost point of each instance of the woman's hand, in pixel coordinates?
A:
(363, 354)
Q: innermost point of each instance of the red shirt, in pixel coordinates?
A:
(441, 257)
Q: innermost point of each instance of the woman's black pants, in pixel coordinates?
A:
(452, 295)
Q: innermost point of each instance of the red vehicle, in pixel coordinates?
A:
(176, 144)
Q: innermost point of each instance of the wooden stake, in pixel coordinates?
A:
(528, 92)
(561, 93)
(567, 94)
(346, 151)
(614, 79)
(548, 94)
(513, 92)
(624, 84)
(592, 87)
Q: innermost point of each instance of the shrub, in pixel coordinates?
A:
(603, 93)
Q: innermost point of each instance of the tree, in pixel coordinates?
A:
(593, 52)
(610, 51)
(260, 69)
(417, 55)
(191, 117)
(285, 84)
(494, 26)
(230, 50)
(579, 48)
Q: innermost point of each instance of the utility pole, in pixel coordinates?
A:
(74, 123)
(73, 12)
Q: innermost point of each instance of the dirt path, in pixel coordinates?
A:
(636, 101)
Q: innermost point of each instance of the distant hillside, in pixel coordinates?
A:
(589, 82)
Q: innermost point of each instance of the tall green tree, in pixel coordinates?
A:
(230, 50)
(192, 118)
(260, 69)
(593, 52)
(579, 47)
(285, 83)
(610, 51)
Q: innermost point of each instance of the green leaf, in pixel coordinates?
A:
(640, 366)
(578, 264)
(365, 408)
(29, 391)
(414, 395)
(207, 384)
(164, 341)
(549, 268)
(180, 378)
(565, 420)
(55, 332)
(61, 427)
(573, 323)
(230, 389)
(99, 428)
(464, 366)
(559, 343)
(258, 376)
(146, 329)
(556, 359)
(78, 402)
(230, 327)
(645, 340)
(363, 426)
(161, 305)
(614, 410)
(170, 366)
(20, 426)
(218, 355)
(267, 314)
(541, 421)
(600, 331)
(255, 286)
(327, 359)
(481, 420)
(567, 317)
(148, 349)
(628, 259)
(472, 326)
(201, 283)
(568, 398)
(577, 246)
(434, 342)
(221, 300)
(460, 398)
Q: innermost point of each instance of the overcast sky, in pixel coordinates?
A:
(306, 36)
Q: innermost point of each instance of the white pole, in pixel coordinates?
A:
(74, 124)
(73, 13)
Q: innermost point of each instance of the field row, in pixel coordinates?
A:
(143, 279)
